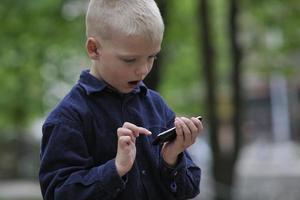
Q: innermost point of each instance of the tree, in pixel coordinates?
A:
(35, 35)
(223, 162)
(208, 57)
(153, 79)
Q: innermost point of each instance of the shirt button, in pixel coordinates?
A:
(144, 172)
(173, 187)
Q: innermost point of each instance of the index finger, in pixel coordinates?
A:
(136, 129)
(198, 123)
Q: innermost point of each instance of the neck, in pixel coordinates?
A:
(94, 72)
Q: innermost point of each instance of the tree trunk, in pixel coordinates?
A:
(225, 165)
(153, 79)
(210, 77)
(236, 56)
(223, 162)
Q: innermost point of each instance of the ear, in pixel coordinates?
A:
(93, 48)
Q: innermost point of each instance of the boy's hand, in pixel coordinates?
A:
(187, 131)
(126, 152)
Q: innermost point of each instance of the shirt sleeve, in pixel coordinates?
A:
(67, 170)
(183, 179)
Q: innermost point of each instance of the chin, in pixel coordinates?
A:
(125, 91)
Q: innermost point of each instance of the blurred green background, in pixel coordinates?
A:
(244, 79)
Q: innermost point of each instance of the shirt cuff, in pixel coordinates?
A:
(173, 170)
(171, 173)
(110, 180)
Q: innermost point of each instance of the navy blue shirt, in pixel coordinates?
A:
(79, 147)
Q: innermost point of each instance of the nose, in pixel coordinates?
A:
(143, 69)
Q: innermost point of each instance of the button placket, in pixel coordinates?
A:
(144, 172)
(173, 186)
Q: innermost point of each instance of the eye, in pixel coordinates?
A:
(129, 60)
(154, 57)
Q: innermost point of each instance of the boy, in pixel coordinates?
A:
(97, 142)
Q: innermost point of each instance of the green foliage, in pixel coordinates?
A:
(29, 31)
(181, 83)
(42, 47)
(271, 36)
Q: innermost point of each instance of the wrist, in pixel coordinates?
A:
(121, 171)
(170, 158)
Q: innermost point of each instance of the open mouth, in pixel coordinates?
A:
(133, 83)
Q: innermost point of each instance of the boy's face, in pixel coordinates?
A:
(124, 61)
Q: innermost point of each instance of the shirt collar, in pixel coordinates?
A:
(91, 85)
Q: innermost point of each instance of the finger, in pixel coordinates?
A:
(190, 124)
(179, 131)
(144, 131)
(198, 124)
(194, 125)
(125, 141)
(136, 129)
(126, 132)
(186, 131)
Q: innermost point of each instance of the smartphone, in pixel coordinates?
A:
(168, 135)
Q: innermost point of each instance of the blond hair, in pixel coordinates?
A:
(129, 17)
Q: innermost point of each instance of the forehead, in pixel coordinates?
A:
(135, 45)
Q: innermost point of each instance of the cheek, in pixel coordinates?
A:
(121, 72)
(150, 67)
(112, 67)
